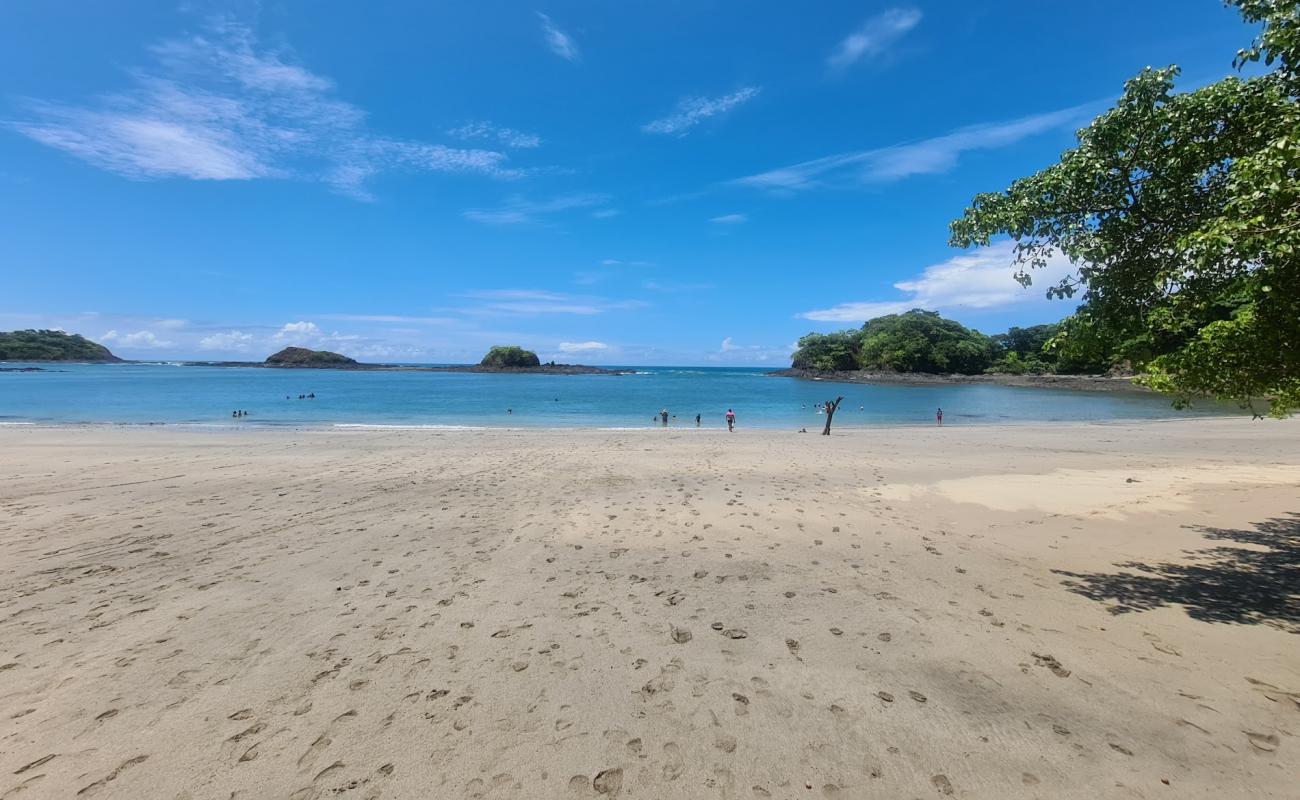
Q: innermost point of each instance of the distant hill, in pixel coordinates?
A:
(51, 346)
(510, 357)
(302, 357)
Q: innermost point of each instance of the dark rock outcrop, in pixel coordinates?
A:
(302, 357)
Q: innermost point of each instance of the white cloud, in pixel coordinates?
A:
(605, 213)
(532, 302)
(229, 342)
(730, 219)
(875, 35)
(298, 331)
(507, 137)
(218, 106)
(980, 279)
(393, 318)
(521, 211)
(754, 353)
(140, 340)
(582, 347)
(561, 43)
(691, 111)
(896, 162)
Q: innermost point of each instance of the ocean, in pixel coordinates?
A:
(174, 394)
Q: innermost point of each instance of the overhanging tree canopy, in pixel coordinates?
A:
(1181, 213)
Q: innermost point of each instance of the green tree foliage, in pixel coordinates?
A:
(1082, 347)
(512, 356)
(51, 346)
(302, 357)
(1023, 350)
(1181, 213)
(923, 341)
(828, 352)
(918, 341)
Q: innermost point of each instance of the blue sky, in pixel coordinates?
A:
(664, 182)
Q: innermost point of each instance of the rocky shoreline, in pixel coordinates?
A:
(1082, 383)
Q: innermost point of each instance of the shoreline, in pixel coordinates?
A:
(813, 428)
(846, 430)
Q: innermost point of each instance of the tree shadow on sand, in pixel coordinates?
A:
(1259, 585)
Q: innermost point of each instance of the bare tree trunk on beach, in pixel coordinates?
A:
(831, 408)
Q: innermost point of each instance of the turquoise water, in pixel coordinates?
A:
(174, 394)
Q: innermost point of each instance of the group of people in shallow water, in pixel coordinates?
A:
(662, 418)
(242, 413)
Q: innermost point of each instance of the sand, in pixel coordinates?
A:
(1064, 611)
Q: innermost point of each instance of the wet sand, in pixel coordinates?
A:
(1066, 611)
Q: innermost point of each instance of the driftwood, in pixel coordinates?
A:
(831, 408)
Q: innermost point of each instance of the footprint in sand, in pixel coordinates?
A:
(674, 765)
(608, 781)
(1267, 742)
(741, 704)
(1052, 664)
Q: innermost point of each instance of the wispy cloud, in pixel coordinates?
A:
(980, 279)
(896, 162)
(675, 288)
(387, 318)
(228, 342)
(875, 35)
(558, 41)
(300, 333)
(730, 351)
(582, 347)
(486, 131)
(521, 211)
(730, 219)
(691, 111)
(533, 302)
(219, 106)
(140, 340)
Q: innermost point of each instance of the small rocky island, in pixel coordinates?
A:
(508, 359)
(301, 357)
(33, 345)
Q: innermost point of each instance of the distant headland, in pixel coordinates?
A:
(57, 346)
(510, 359)
(33, 345)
